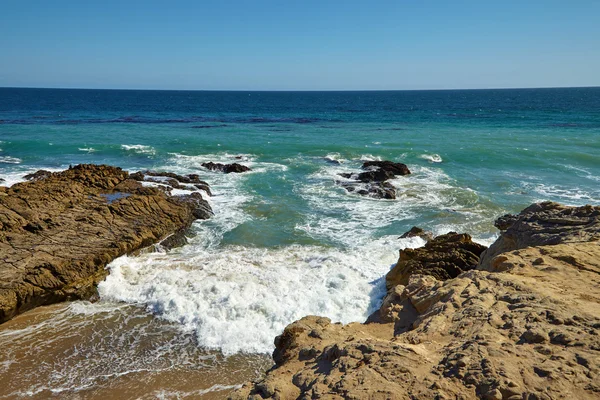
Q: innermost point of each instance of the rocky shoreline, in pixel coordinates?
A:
(517, 320)
(520, 320)
(59, 230)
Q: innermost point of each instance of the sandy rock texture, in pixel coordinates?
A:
(524, 325)
(58, 231)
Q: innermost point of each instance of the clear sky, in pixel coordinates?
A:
(299, 45)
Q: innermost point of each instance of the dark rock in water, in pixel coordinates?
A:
(227, 168)
(38, 175)
(546, 223)
(379, 175)
(138, 176)
(444, 257)
(191, 178)
(332, 160)
(378, 190)
(379, 172)
(1, 180)
(394, 168)
(175, 240)
(174, 180)
(415, 231)
(58, 233)
(204, 186)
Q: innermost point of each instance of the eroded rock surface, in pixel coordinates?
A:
(545, 223)
(526, 327)
(444, 257)
(57, 233)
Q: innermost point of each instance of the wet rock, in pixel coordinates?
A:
(415, 231)
(389, 166)
(373, 182)
(175, 181)
(526, 331)
(379, 175)
(377, 190)
(444, 257)
(38, 175)
(226, 168)
(58, 233)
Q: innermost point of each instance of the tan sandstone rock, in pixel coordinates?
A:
(526, 325)
(58, 232)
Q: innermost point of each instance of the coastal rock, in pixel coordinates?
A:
(58, 233)
(38, 175)
(373, 182)
(389, 166)
(528, 328)
(226, 168)
(175, 181)
(444, 257)
(546, 223)
(415, 231)
(378, 190)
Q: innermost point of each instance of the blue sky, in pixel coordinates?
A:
(308, 45)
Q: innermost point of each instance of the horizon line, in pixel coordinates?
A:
(295, 90)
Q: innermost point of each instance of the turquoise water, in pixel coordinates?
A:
(286, 239)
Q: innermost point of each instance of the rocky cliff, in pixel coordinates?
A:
(58, 231)
(523, 324)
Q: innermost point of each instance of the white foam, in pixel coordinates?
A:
(237, 299)
(434, 158)
(369, 157)
(335, 158)
(16, 175)
(568, 196)
(87, 149)
(139, 148)
(10, 160)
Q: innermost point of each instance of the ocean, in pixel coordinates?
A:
(286, 239)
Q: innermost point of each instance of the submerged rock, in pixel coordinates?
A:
(226, 168)
(373, 182)
(58, 233)
(444, 257)
(175, 181)
(378, 190)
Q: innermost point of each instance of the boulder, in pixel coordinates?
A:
(379, 175)
(226, 168)
(58, 233)
(38, 175)
(415, 231)
(375, 178)
(390, 166)
(444, 257)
